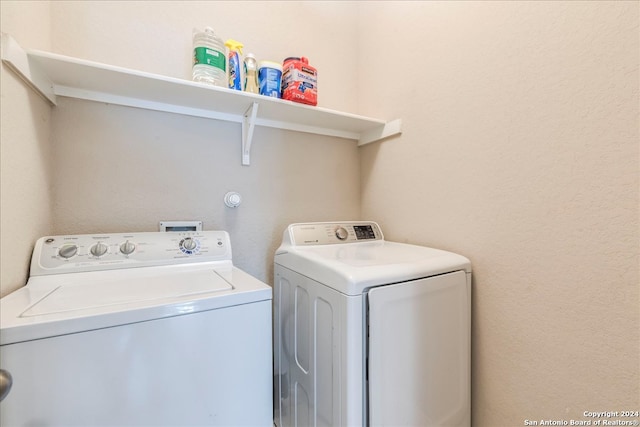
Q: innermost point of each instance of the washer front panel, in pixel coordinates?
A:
(178, 371)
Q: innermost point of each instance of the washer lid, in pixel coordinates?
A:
(68, 303)
(74, 295)
(353, 267)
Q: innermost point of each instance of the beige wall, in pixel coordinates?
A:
(156, 36)
(25, 151)
(125, 169)
(122, 169)
(520, 150)
(150, 167)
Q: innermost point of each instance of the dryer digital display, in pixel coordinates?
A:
(364, 232)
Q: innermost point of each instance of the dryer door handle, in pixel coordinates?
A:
(5, 383)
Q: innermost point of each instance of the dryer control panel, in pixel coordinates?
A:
(329, 233)
(91, 252)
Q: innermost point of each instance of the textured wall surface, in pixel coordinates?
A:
(25, 165)
(159, 166)
(156, 36)
(117, 169)
(126, 169)
(520, 150)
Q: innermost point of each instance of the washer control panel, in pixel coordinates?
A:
(327, 233)
(90, 252)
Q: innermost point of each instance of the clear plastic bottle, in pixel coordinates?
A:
(251, 74)
(209, 58)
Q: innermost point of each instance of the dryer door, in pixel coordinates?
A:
(419, 352)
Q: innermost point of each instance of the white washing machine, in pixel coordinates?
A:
(369, 332)
(137, 329)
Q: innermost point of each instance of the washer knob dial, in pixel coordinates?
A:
(67, 251)
(341, 233)
(189, 244)
(99, 249)
(127, 248)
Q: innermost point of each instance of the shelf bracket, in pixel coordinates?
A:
(18, 61)
(248, 125)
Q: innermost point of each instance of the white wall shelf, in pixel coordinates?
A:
(53, 75)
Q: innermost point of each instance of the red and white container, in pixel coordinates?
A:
(299, 81)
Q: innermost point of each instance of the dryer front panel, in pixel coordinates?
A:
(419, 352)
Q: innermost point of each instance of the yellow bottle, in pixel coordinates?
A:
(251, 74)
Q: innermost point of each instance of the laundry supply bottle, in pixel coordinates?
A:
(209, 58)
(270, 78)
(251, 74)
(235, 50)
(299, 81)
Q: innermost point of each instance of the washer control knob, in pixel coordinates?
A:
(127, 248)
(67, 251)
(99, 249)
(341, 233)
(189, 244)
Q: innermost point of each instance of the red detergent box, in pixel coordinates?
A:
(299, 81)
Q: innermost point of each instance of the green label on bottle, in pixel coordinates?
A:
(204, 55)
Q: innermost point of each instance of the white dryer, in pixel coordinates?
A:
(369, 332)
(137, 329)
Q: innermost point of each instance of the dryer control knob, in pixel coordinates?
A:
(341, 233)
(67, 251)
(98, 249)
(127, 248)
